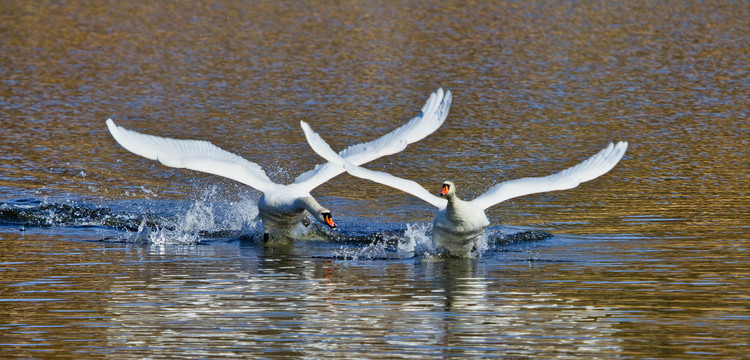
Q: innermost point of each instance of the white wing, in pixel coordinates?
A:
(432, 116)
(324, 150)
(590, 169)
(194, 155)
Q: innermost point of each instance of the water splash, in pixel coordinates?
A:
(212, 217)
(173, 237)
(157, 222)
(417, 239)
(149, 193)
(209, 217)
(375, 250)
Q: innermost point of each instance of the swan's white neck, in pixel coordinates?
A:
(457, 208)
(451, 197)
(312, 206)
(453, 201)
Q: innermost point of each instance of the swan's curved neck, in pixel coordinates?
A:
(452, 198)
(456, 208)
(312, 206)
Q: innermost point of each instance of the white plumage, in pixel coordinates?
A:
(281, 206)
(457, 223)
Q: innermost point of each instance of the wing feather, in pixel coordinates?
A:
(590, 169)
(433, 114)
(195, 155)
(324, 150)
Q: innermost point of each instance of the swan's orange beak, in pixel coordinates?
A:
(444, 192)
(329, 220)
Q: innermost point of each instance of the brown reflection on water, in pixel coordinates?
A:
(92, 298)
(537, 87)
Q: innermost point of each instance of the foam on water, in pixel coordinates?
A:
(162, 236)
(153, 222)
(416, 241)
(211, 216)
(208, 216)
(376, 250)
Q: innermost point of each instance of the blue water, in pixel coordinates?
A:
(109, 254)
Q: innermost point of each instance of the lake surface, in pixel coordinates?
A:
(109, 255)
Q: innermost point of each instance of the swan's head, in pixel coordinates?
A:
(328, 219)
(318, 212)
(448, 190)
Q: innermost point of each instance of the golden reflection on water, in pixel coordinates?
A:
(537, 87)
(164, 299)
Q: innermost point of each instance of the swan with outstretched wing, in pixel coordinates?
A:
(458, 224)
(281, 207)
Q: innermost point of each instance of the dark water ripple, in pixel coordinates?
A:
(108, 254)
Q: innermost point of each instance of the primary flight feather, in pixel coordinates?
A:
(281, 207)
(458, 224)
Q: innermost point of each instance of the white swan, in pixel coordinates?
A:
(281, 207)
(458, 224)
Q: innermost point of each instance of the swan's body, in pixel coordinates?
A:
(282, 211)
(457, 226)
(458, 223)
(281, 207)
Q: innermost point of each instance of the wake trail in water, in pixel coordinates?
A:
(156, 222)
(416, 241)
(212, 218)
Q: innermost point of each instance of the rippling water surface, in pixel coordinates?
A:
(106, 254)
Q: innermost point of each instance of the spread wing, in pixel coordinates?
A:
(194, 155)
(324, 150)
(590, 169)
(432, 116)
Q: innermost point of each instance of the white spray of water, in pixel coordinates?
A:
(149, 193)
(415, 242)
(417, 239)
(162, 236)
(482, 245)
(209, 214)
(378, 249)
(418, 242)
(172, 237)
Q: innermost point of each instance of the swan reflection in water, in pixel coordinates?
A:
(314, 307)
